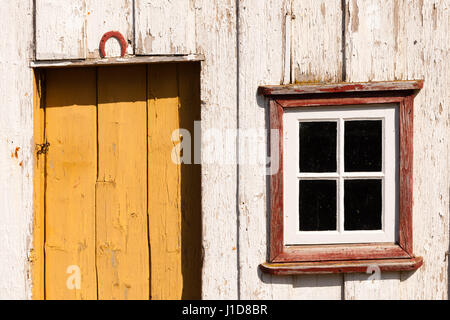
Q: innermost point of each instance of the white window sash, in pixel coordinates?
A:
(388, 113)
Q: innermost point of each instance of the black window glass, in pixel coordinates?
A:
(317, 146)
(362, 202)
(362, 145)
(317, 205)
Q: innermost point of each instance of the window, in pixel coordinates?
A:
(342, 199)
(344, 186)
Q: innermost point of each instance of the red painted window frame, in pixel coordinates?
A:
(344, 257)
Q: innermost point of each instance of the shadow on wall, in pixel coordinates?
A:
(191, 223)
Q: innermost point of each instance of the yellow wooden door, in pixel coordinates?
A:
(116, 218)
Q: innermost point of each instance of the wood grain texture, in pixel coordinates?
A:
(164, 184)
(165, 27)
(371, 40)
(261, 60)
(354, 87)
(121, 189)
(60, 29)
(135, 146)
(335, 101)
(73, 29)
(71, 171)
(105, 16)
(316, 41)
(115, 61)
(327, 267)
(406, 129)
(341, 252)
(431, 224)
(16, 133)
(216, 40)
(403, 40)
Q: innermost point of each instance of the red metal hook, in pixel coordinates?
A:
(119, 37)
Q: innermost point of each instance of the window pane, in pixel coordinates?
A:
(363, 145)
(317, 146)
(317, 205)
(362, 202)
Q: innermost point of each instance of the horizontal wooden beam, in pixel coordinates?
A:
(350, 266)
(341, 252)
(298, 89)
(116, 61)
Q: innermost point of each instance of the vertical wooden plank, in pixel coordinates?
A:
(121, 190)
(104, 16)
(403, 40)
(164, 183)
(406, 166)
(424, 52)
(16, 133)
(261, 60)
(191, 190)
(37, 254)
(371, 40)
(60, 29)
(216, 39)
(165, 27)
(317, 41)
(164, 191)
(71, 170)
(276, 183)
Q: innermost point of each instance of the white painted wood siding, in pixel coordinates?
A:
(60, 29)
(16, 138)
(73, 29)
(316, 41)
(217, 41)
(261, 60)
(167, 27)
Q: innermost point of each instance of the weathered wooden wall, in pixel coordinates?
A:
(16, 148)
(246, 43)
